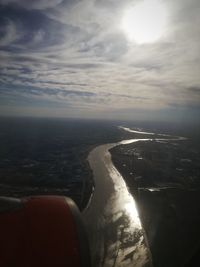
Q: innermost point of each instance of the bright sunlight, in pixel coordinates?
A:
(145, 22)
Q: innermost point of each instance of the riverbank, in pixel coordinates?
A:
(112, 221)
(158, 174)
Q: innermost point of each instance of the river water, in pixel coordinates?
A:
(116, 236)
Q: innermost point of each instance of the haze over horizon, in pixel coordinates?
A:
(89, 59)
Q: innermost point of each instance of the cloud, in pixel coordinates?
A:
(8, 31)
(194, 90)
(32, 4)
(74, 53)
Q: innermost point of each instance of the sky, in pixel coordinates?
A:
(73, 58)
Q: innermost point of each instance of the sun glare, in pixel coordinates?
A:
(145, 22)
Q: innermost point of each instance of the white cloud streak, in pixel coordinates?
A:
(33, 4)
(91, 53)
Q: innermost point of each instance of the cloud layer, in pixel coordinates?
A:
(73, 56)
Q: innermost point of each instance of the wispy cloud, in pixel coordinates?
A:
(32, 4)
(75, 52)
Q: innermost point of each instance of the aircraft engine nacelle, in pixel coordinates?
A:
(42, 231)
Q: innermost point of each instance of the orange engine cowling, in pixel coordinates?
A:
(42, 231)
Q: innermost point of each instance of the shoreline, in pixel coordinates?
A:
(162, 206)
(111, 198)
(106, 193)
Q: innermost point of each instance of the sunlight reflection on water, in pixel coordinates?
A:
(117, 238)
(132, 247)
(123, 199)
(132, 212)
(121, 212)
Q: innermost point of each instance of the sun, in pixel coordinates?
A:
(145, 22)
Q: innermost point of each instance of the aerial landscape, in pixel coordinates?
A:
(100, 103)
(161, 172)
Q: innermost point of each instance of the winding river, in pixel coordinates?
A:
(116, 236)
